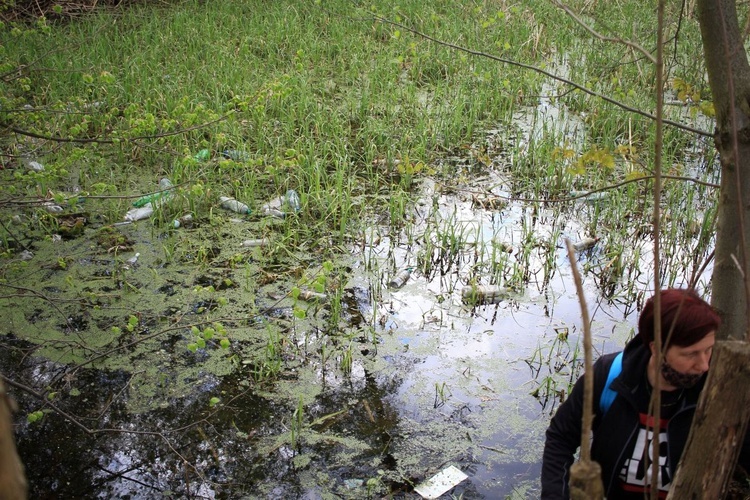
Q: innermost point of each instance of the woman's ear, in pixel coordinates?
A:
(652, 348)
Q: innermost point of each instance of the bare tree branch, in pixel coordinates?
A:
(100, 140)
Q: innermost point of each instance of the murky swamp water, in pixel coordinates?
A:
(416, 379)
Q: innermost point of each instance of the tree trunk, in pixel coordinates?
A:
(722, 415)
(719, 426)
(12, 478)
(729, 78)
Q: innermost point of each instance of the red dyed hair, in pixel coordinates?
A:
(684, 313)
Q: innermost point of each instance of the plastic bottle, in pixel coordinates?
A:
(165, 185)
(292, 200)
(310, 295)
(585, 244)
(275, 208)
(35, 166)
(234, 205)
(235, 155)
(400, 279)
(184, 221)
(483, 293)
(261, 242)
(52, 208)
(143, 212)
(202, 155)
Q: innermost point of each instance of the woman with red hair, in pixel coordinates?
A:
(623, 383)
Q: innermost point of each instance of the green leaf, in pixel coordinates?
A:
(224, 343)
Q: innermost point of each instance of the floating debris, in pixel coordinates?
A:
(165, 185)
(441, 482)
(474, 294)
(585, 244)
(52, 208)
(289, 201)
(589, 196)
(489, 202)
(185, 221)
(260, 242)
(310, 295)
(234, 205)
(400, 279)
(143, 212)
(502, 246)
(35, 166)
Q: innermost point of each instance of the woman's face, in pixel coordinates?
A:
(693, 359)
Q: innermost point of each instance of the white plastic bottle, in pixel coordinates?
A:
(143, 212)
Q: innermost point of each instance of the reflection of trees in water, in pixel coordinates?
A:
(190, 447)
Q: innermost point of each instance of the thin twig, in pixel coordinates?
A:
(588, 376)
(100, 140)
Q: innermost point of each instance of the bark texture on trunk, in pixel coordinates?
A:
(729, 78)
(12, 478)
(719, 426)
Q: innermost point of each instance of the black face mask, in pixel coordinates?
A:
(677, 379)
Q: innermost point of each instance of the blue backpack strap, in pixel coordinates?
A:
(608, 395)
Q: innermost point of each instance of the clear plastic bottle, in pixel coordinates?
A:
(261, 242)
(279, 206)
(292, 200)
(234, 205)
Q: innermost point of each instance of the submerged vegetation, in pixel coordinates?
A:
(264, 352)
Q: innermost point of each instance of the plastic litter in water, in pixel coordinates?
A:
(234, 205)
(235, 155)
(484, 293)
(278, 207)
(165, 185)
(184, 221)
(52, 208)
(400, 279)
(585, 244)
(260, 242)
(35, 166)
(310, 295)
(202, 155)
(143, 212)
(441, 482)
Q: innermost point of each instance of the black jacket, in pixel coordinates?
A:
(612, 432)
